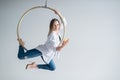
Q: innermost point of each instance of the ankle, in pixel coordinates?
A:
(32, 65)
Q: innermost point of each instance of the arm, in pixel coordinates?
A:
(61, 16)
(65, 42)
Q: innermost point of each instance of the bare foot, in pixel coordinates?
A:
(32, 65)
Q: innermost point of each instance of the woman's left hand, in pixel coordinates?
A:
(65, 42)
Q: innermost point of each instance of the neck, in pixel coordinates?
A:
(56, 31)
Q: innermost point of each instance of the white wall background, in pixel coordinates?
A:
(93, 28)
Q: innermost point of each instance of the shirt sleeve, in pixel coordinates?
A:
(51, 40)
(53, 45)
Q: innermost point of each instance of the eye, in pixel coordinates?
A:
(58, 24)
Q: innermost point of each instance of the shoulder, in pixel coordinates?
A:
(52, 33)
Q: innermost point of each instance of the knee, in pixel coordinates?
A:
(20, 57)
(52, 68)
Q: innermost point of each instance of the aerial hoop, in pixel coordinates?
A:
(45, 7)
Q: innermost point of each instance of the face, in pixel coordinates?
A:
(56, 26)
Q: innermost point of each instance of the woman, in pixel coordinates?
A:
(47, 51)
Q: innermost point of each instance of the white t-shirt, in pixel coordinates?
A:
(49, 48)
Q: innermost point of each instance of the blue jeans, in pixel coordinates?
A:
(34, 53)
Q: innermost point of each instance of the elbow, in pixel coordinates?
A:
(59, 48)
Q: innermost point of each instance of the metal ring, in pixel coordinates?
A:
(25, 13)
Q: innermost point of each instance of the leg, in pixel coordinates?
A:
(50, 66)
(21, 52)
(28, 54)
